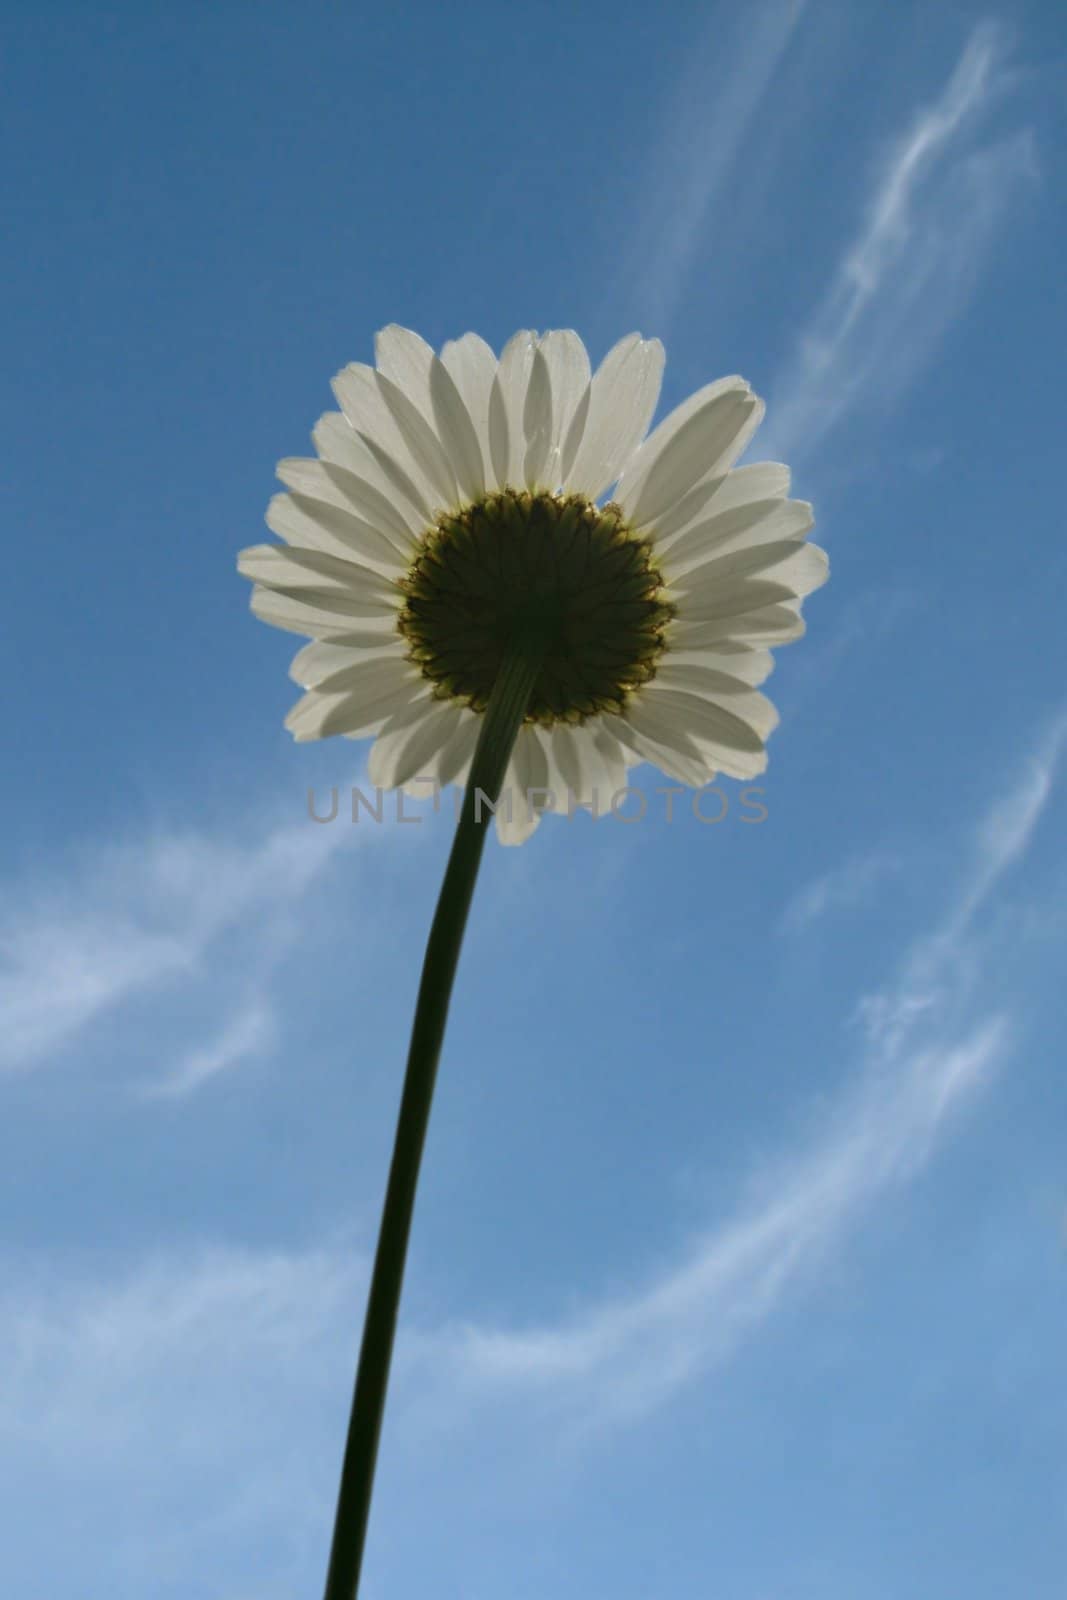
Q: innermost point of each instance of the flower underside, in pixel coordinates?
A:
(560, 569)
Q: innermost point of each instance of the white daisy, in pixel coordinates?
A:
(456, 496)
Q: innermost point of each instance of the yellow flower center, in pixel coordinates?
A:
(563, 567)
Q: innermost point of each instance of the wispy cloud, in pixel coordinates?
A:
(172, 1394)
(188, 1347)
(203, 1303)
(935, 212)
(1004, 835)
(250, 1032)
(60, 968)
(135, 916)
(697, 154)
(849, 885)
(621, 1359)
(945, 964)
(926, 1055)
(230, 1354)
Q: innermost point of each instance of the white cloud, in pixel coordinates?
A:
(934, 214)
(1000, 839)
(1005, 833)
(212, 1381)
(623, 1358)
(172, 1396)
(87, 1356)
(249, 1032)
(138, 915)
(945, 963)
(713, 109)
(63, 965)
(926, 1057)
(847, 886)
(230, 1356)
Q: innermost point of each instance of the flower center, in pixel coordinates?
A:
(569, 570)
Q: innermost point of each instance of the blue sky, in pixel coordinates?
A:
(739, 1263)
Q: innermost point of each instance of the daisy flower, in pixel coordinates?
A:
(457, 500)
(508, 583)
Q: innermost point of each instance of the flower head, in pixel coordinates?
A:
(456, 499)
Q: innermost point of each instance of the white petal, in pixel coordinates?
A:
(622, 399)
(746, 667)
(389, 765)
(687, 511)
(743, 767)
(499, 435)
(731, 599)
(537, 424)
(637, 469)
(457, 431)
(793, 563)
(321, 716)
(338, 607)
(716, 760)
(568, 774)
(283, 610)
(702, 447)
(339, 445)
(367, 673)
(405, 358)
(307, 475)
(336, 486)
(361, 400)
(319, 659)
(772, 625)
(367, 680)
(556, 784)
(694, 678)
(572, 439)
(711, 713)
(507, 403)
(415, 764)
(431, 762)
(516, 817)
(760, 480)
(569, 375)
(753, 709)
(667, 747)
(516, 828)
(314, 526)
(806, 570)
(403, 484)
(586, 766)
(336, 441)
(457, 755)
(472, 365)
(423, 445)
(615, 756)
(758, 522)
(643, 461)
(280, 566)
(533, 764)
(335, 605)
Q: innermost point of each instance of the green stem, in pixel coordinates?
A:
(500, 727)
